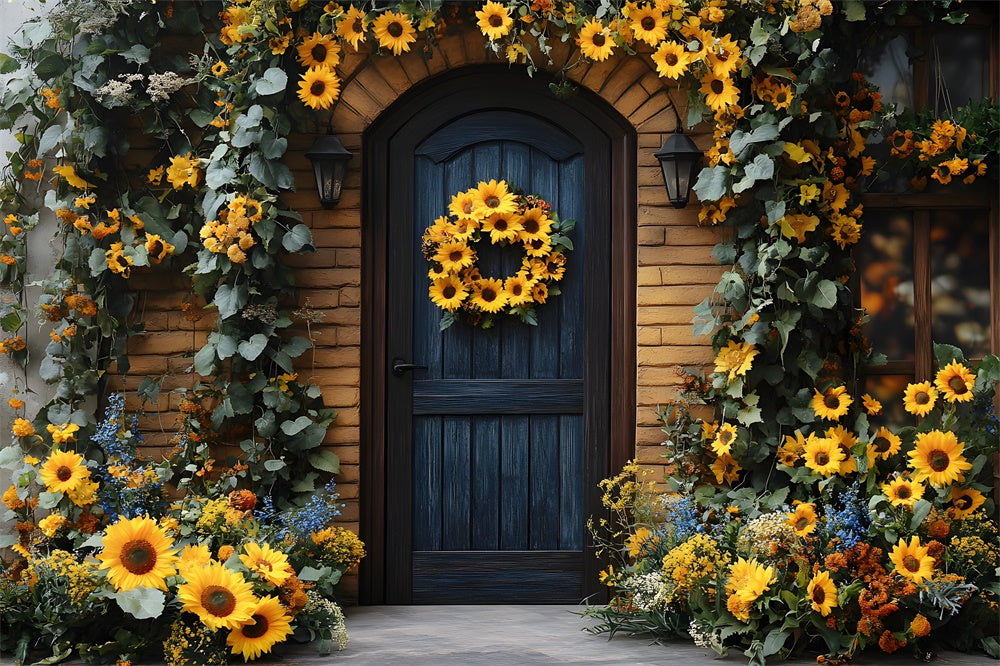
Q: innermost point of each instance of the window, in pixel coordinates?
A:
(929, 263)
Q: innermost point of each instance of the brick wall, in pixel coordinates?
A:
(675, 269)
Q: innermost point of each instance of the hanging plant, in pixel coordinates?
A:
(506, 218)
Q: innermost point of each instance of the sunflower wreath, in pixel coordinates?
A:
(506, 217)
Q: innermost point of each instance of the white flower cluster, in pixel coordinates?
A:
(162, 86)
(767, 536)
(319, 606)
(119, 89)
(645, 589)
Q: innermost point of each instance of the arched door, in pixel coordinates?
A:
(495, 443)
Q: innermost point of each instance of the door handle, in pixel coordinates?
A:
(399, 367)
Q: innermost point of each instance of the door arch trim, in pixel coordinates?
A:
(376, 261)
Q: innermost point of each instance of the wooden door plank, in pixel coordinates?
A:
(485, 514)
(544, 475)
(571, 518)
(427, 490)
(505, 577)
(456, 340)
(498, 396)
(514, 483)
(456, 467)
(574, 300)
(427, 349)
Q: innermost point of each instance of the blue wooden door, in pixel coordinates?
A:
(491, 434)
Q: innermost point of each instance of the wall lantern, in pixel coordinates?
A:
(329, 159)
(679, 159)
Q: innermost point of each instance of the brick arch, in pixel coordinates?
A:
(371, 83)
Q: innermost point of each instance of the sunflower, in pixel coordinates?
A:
(912, 560)
(649, 24)
(919, 399)
(886, 443)
(351, 27)
(538, 247)
(535, 225)
(748, 579)
(724, 57)
(517, 288)
(64, 471)
(832, 403)
(448, 292)
(493, 197)
(964, 501)
(219, 68)
(462, 229)
(455, 256)
(735, 359)
(846, 440)
(903, 492)
(823, 455)
(463, 204)
(955, 381)
(502, 227)
(319, 88)
(268, 624)
(555, 266)
(722, 445)
(726, 469)
(672, 59)
(319, 51)
(219, 597)
(488, 295)
(494, 20)
(193, 556)
(595, 41)
(871, 405)
(719, 91)
(539, 292)
(937, 457)
(137, 553)
(803, 520)
(822, 593)
(394, 31)
(271, 565)
(791, 449)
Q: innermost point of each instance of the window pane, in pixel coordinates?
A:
(962, 56)
(960, 280)
(888, 66)
(885, 263)
(888, 389)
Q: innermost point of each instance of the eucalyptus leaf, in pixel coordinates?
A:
(252, 348)
(271, 82)
(142, 602)
(325, 460)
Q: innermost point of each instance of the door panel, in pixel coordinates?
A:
(482, 469)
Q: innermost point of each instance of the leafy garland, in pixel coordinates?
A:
(509, 218)
(787, 152)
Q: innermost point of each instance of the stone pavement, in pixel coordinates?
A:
(525, 636)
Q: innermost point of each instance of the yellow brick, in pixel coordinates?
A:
(646, 336)
(663, 315)
(646, 276)
(650, 236)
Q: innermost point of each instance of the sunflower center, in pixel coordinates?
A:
(962, 503)
(218, 601)
(318, 53)
(922, 398)
(882, 444)
(957, 384)
(489, 294)
(138, 557)
(801, 523)
(456, 256)
(531, 225)
(781, 97)
(831, 401)
(818, 595)
(717, 86)
(723, 55)
(671, 59)
(155, 248)
(317, 88)
(516, 289)
(358, 27)
(496, 21)
(598, 39)
(64, 473)
(467, 207)
(725, 436)
(939, 460)
(904, 492)
(500, 225)
(394, 29)
(552, 267)
(492, 202)
(648, 23)
(537, 244)
(257, 629)
(911, 563)
(822, 458)
(448, 292)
